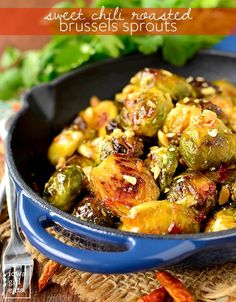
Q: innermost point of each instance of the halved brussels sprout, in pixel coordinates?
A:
(80, 160)
(121, 142)
(99, 115)
(160, 217)
(117, 142)
(64, 186)
(226, 104)
(121, 182)
(222, 220)
(163, 163)
(145, 111)
(161, 79)
(91, 210)
(64, 145)
(178, 119)
(195, 190)
(207, 143)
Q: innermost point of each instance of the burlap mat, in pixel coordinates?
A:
(208, 285)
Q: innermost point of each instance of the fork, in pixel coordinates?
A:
(15, 258)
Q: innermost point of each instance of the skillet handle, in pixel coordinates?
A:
(135, 253)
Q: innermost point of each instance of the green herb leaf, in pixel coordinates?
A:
(111, 45)
(10, 82)
(31, 68)
(178, 49)
(10, 57)
(148, 44)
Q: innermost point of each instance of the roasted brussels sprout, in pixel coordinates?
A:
(178, 119)
(122, 142)
(91, 149)
(202, 88)
(122, 182)
(80, 160)
(99, 115)
(145, 111)
(163, 163)
(222, 220)
(161, 79)
(207, 143)
(91, 210)
(227, 88)
(227, 179)
(64, 145)
(195, 190)
(64, 186)
(160, 217)
(225, 103)
(117, 142)
(85, 163)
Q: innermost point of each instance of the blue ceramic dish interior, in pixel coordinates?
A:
(47, 109)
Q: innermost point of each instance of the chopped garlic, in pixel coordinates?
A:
(132, 180)
(189, 79)
(170, 134)
(208, 90)
(213, 132)
(186, 100)
(156, 171)
(200, 79)
(151, 104)
(166, 72)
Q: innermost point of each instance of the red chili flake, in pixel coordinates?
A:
(174, 229)
(222, 173)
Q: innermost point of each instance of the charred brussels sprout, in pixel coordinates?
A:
(225, 103)
(202, 88)
(122, 182)
(80, 160)
(99, 115)
(222, 220)
(227, 179)
(207, 143)
(145, 111)
(160, 217)
(161, 79)
(91, 210)
(178, 119)
(64, 145)
(117, 142)
(64, 186)
(122, 142)
(163, 163)
(195, 190)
